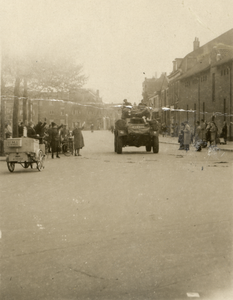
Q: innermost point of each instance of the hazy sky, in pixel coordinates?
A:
(117, 41)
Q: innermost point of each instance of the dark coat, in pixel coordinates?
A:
(224, 132)
(20, 130)
(78, 138)
(55, 138)
(39, 128)
(31, 133)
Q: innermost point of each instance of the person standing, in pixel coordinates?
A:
(181, 137)
(187, 136)
(213, 132)
(8, 130)
(164, 129)
(198, 140)
(20, 129)
(224, 132)
(39, 128)
(78, 139)
(203, 133)
(55, 139)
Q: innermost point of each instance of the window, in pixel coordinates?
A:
(51, 103)
(62, 112)
(187, 83)
(51, 112)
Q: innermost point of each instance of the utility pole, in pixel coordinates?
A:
(16, 107)
(2, 109)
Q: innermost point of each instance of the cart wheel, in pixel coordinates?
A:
(40, 161)
(66, 150)
(11, 166)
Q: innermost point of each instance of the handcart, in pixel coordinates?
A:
(24, 151)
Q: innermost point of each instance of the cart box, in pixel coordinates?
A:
(20, 145)
(14, 143)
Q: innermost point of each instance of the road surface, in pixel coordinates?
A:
(107, 226)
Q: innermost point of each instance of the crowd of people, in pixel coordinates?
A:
(206, 134)
(54, 135)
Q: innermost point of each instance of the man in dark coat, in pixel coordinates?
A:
(31, 131)
(55, 139)
(39, 128)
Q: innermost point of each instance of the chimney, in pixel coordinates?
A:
(196, 44)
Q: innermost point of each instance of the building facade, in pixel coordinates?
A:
(200, 84)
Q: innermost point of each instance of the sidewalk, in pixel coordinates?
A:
(174, 140)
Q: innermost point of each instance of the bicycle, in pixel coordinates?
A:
(67, 147)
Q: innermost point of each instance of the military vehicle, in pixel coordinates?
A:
(135, 129)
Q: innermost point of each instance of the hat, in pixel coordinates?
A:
(53, 124)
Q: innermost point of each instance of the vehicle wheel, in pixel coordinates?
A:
(119, 145)
(115, 144)
(148, 148)
(155, 144)
(40, 161)
(66, 150)
(11, 166)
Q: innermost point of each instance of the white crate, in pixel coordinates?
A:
(24, 145)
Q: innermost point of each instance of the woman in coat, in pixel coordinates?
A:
(78, 139)
(187, 135)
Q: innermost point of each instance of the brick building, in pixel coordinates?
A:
(84, 105)
(200, 84)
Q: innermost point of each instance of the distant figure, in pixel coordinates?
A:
(126, 103)
(31, 131)
(198, 135)
(78, 139)
(181, 137)
(39, 128)
(187, 136)
(92, 127)
(213, 132)
(55, 139)
(142, 105)
(8, 130)
(20, 129)
(64, 133)
(164, 129)
(203, 133)
(224, 132)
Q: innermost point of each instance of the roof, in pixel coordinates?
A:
(200, 66)
(205, 56)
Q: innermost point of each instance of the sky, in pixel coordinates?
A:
(118, 42)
